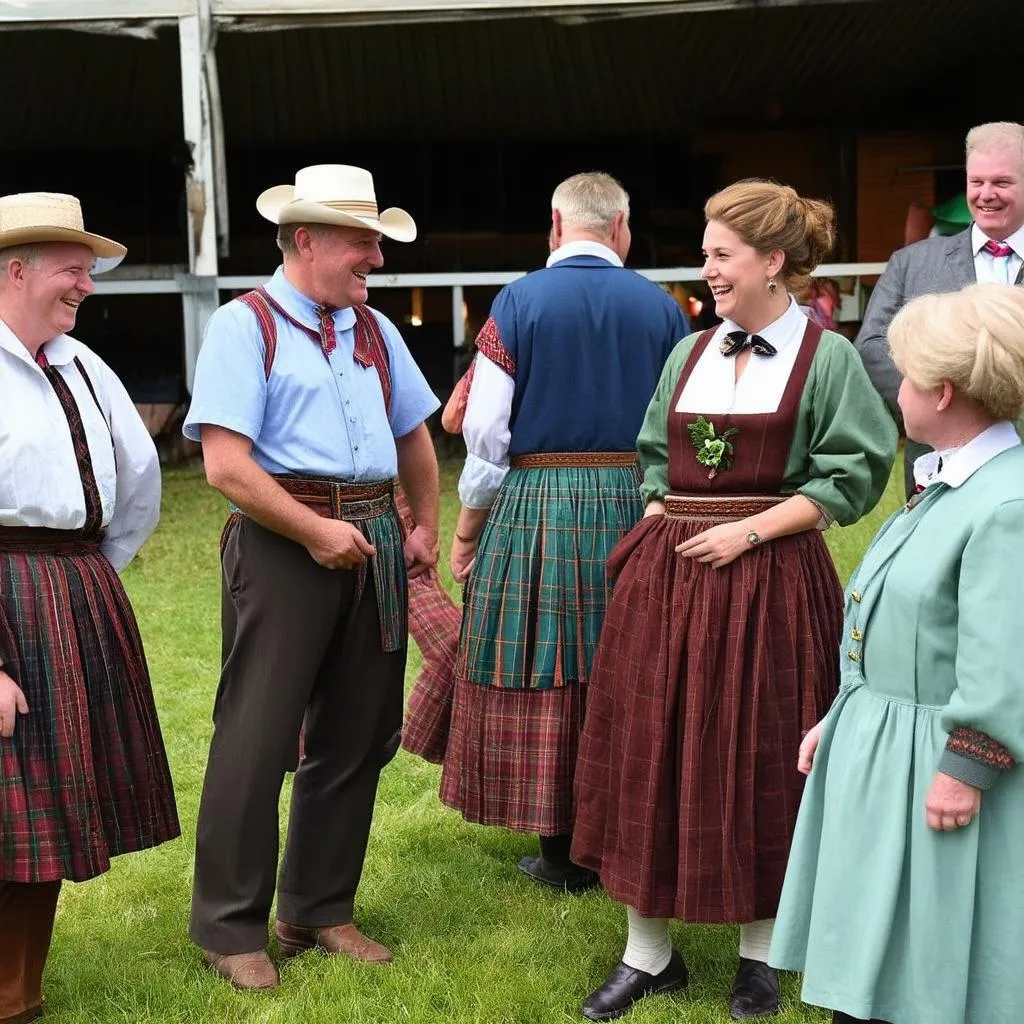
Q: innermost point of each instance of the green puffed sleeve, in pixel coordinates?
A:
(985, 714)
(652, 441)
(845, 441)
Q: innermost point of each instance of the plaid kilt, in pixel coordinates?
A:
(532, 616)
(704, 684)
(534, 602)
(85, 776)
(434, 621)
(511, 755)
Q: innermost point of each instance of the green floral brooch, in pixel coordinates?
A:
(713, 450)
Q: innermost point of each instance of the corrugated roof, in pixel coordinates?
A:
(527, 78)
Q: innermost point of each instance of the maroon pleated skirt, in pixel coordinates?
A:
(704, 683)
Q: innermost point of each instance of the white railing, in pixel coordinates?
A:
(153, 280)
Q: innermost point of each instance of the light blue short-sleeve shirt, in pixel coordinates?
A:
(316, 415)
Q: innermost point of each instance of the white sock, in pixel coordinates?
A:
(648, 947)
(756, 939)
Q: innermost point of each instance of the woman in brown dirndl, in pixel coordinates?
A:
(720, 645)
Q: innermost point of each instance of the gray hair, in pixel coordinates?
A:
(998, 135)
(286, 236)
(591, 201)
(30, 254)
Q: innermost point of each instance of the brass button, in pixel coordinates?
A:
(856, 634)
(853, 655)
(855, 596)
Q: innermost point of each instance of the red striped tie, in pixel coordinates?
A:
(1000, 250)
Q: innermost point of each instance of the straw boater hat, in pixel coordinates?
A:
(334, 194)
(29, 217)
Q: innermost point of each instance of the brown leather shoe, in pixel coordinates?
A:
(338, 939)
(24, 1017)
(244, 970)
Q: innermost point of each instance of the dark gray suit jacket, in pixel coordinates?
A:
(941, 264)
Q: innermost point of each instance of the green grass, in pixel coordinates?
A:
(474, 940)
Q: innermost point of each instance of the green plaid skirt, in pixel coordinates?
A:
(534, 602)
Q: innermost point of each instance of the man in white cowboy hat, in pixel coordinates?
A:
(83, 773)
(308, 405)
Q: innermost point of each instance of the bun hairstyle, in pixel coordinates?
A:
(974, 338)
(770, 216)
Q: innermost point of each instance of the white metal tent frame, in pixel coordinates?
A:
(199, 21)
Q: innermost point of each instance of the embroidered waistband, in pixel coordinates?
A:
(334, 499)
(42, 540)
(718, 508)
(572, 460)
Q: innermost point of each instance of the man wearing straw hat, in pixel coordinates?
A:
(308, 405)
(83, 773)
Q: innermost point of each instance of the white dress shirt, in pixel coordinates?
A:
(954, 465)
(989, 269)
(40, 484)
(712, 387)
(485, 427)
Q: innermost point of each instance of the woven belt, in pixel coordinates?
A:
(718, 508)
(41, 540)
(333, 499)
(572, 460)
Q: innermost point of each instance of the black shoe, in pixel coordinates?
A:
(755, 992)
(568, 878)
(625, 985)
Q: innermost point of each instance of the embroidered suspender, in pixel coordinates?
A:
(369, 338)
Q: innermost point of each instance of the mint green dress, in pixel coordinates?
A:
(885, 917)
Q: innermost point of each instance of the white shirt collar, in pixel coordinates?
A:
(789, 327)
(584, 247)
(58, 351)
(959, 463)
(1014, 241)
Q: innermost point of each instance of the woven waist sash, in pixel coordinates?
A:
(718, 508)
(572, 460)
(333, 499)
(44, 541)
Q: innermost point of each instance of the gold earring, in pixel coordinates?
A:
(772, 286)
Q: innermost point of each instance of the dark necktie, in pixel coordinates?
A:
(325, 314)
(736, 341)
(1000, 250)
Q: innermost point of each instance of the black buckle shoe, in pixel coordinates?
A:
(755, 992)
(626, 985)
(570, 878)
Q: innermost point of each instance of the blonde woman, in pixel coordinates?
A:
(904, 898)
(718, 649)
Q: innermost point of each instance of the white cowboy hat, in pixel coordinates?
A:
(334, 194)
(28, 217)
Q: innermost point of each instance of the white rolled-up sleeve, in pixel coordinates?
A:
(487, 434)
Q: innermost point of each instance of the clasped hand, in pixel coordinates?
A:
(718, 546)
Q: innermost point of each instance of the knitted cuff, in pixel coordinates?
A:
(974, 757)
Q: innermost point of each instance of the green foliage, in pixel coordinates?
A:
(474, 940)
(713, 450)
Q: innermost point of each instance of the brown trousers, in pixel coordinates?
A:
(297, 642)
(27, 912)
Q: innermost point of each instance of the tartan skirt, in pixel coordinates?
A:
(704, 684)
(532, 616)
(85, 776)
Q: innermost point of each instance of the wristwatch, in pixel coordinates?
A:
(753, 538)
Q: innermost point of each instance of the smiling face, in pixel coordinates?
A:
(995, 191)
(738, 276)
(339, 260)
(54, 285)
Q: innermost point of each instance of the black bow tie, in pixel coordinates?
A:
(736, 341)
